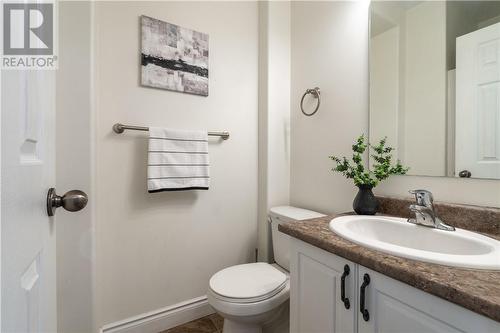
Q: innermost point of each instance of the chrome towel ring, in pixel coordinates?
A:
(316, 93)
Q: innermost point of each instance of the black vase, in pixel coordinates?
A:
(365, 202)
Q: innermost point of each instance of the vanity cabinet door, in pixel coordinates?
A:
(395, 307)
(315, 294)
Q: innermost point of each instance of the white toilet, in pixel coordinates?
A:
(254, 296)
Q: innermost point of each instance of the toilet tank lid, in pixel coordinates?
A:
(290, 213)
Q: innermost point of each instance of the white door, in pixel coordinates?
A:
(316, 302)
(477, 147)
(28, 257)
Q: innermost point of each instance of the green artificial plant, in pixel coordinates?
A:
(382, 166)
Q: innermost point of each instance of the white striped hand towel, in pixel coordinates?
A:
(177, 160)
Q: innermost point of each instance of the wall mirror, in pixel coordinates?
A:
(435, 85)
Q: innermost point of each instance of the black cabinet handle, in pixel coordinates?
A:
(344, 299)
(366, 282)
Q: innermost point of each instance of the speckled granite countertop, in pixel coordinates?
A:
(476, 290)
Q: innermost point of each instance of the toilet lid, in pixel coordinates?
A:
(248, 281)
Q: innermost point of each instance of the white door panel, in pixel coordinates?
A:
(28, 234)
(478, 103)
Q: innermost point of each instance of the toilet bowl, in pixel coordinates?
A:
(253, 298)
(249, 296)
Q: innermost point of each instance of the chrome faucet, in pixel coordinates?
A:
(424, 211)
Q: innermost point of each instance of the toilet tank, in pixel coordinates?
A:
(281, 241)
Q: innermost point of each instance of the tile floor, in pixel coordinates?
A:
(209, 324)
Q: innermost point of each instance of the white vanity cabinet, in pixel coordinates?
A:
(394, 306)
(315, 291)
(391, 306)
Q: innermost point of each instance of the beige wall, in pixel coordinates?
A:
(337, 61)
(274, 114)
(329, 50)
(425, 89)
(481, 192)
(408, 85)
(384, 88)
(154, 250)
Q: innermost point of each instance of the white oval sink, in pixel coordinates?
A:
(393, 235)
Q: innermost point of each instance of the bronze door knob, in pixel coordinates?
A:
(72, 201)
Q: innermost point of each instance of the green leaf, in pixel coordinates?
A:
(356, 168)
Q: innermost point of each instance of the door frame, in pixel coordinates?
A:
(0, 200)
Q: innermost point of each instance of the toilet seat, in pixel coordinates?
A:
(248, 283)
(249, 300)
(262, 300)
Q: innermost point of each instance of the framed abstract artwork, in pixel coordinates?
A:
(173, 57)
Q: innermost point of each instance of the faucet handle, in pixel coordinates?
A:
(423, 197)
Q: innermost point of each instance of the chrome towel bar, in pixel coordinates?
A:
(120, 128)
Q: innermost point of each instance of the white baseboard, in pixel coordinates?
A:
(162, 319)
